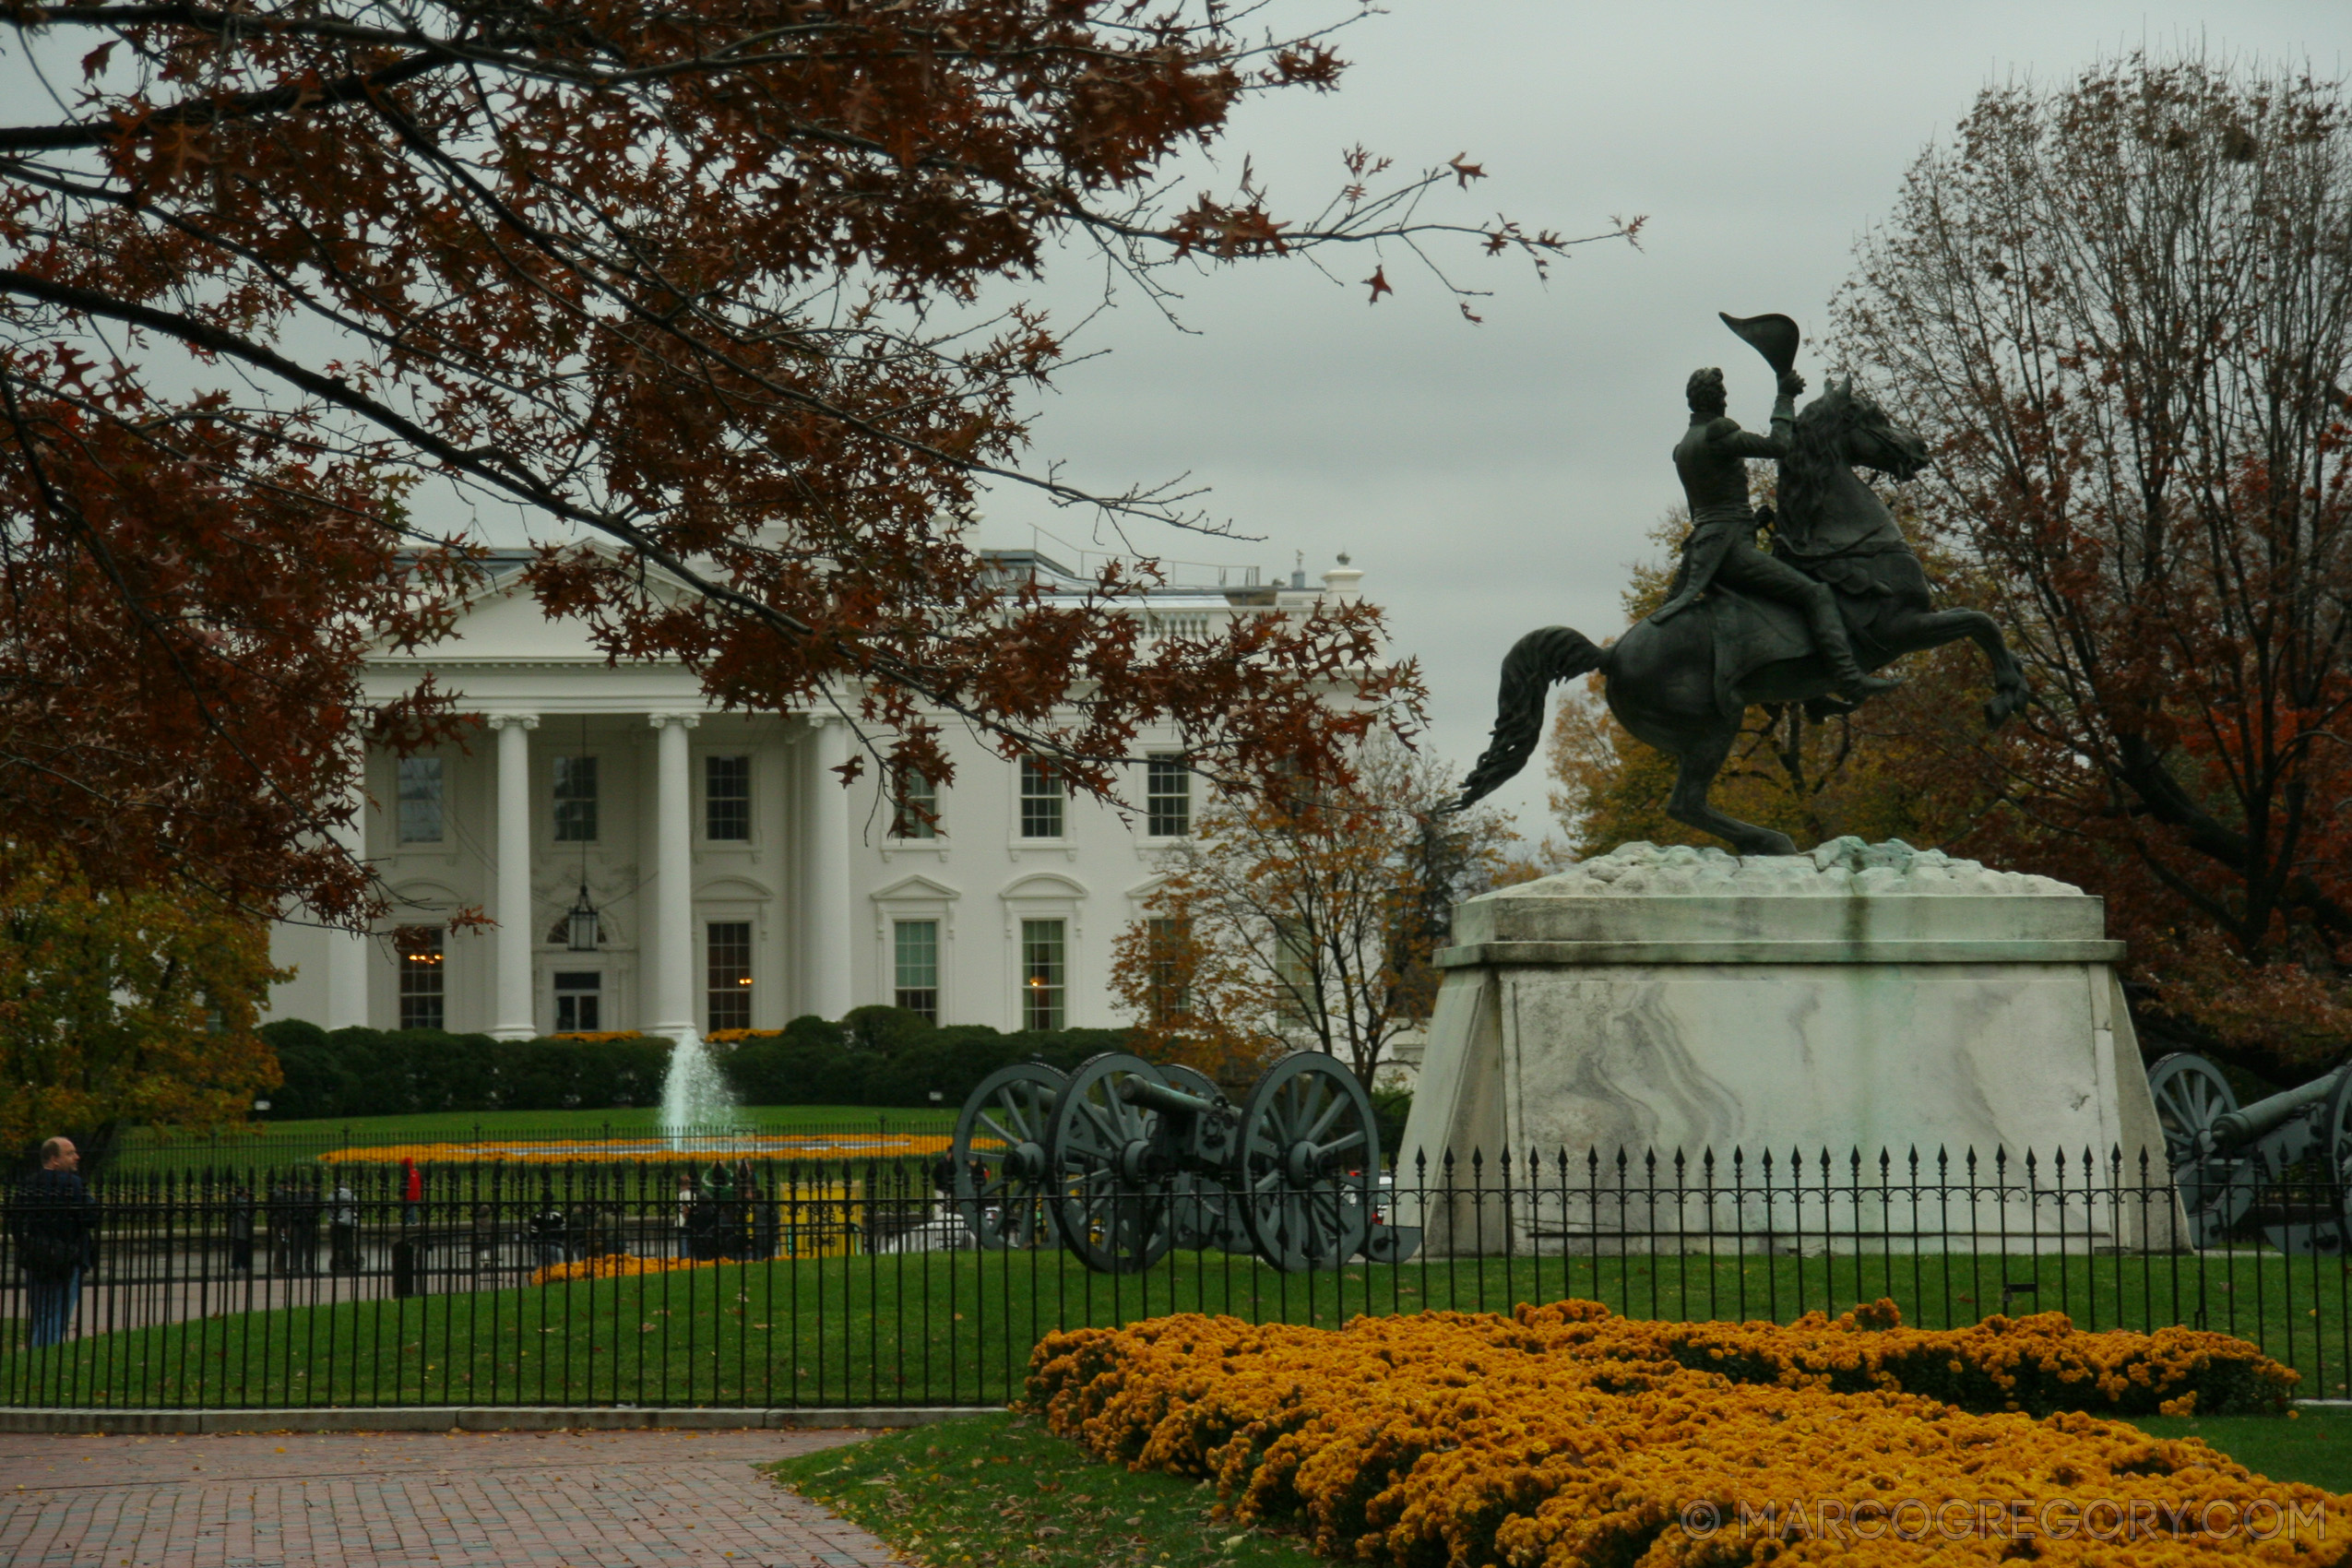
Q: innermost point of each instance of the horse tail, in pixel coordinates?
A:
(1535, 662)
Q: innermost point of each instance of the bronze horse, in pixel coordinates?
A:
(1682, 688)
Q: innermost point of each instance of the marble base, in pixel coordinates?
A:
(1867, 1044)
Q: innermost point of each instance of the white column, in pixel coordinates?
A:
(827, 916)
(347, 954)
(673, 936)
(511, 986)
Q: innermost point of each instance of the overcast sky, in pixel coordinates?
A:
(1489, 479)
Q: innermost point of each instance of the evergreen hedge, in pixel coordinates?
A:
(878, 1056)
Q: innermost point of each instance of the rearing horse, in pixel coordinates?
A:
(1682, 688)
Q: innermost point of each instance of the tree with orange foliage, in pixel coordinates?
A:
(731, 292)
(1305, 918)
(2126, 305)
(123, 1007)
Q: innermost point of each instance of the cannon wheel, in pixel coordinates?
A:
(1207, 1215)
(999, 1154)
(2215, 1189)
(1110, 1201)
(1309, 1162)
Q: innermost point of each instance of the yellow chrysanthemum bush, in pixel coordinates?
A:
(2038, 1364)
(1562, 1436)
(613, 1266)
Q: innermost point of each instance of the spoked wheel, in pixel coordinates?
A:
(1204, 1213)
(999, 1155)
(2332, 1154)
(2215, 1188)
(1109, 1196)
(1311, 1160)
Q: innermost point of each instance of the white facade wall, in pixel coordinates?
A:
(820, 880)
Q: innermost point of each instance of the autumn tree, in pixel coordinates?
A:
(2125, 307)
(1880, 772)
(118, 1007)
(1306, 917)
(723, 301)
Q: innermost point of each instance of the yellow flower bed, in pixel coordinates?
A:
(614, 1266)
(1560, 1437)
(833, 1147)
(2040, 1364)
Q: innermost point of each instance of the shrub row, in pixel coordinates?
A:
(884, 1056)
(1560, 1437)
(403, 1072)
(877, 1056)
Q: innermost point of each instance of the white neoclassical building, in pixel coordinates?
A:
(653, 862)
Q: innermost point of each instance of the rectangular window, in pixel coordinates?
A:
(917, 963)
(1168, 797)
(420, 800)
(915, 811)
(1170, 997)
(1045, 972)
(422, 988)
(727, 798)
(1040, 798)
(576, 800)
(579, 1003)
(730, 952)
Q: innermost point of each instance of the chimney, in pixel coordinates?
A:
(1340, 582)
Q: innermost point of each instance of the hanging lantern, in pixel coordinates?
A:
(581, 934)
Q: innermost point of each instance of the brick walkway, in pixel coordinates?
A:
(369, 1500)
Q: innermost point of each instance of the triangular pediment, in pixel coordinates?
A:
(501, 621)
(915, 887)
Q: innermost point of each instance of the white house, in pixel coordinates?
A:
(723, 878)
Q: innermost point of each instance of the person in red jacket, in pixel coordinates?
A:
(412, 1190)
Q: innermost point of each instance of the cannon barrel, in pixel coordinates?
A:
(1161, 1098)
(2235, 1129)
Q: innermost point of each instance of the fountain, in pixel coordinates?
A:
(694, 1095)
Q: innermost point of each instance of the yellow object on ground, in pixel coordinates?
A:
(1565, 1437)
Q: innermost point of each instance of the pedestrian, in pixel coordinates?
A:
(685, 1213)
(303, 1230)
(547, 1230)
(712, 1214)
(763, 1227)
(411, 1191)
(52, 1230)
(343, 1230)
(241, 1228)
(281, 1228)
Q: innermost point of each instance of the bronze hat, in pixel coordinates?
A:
(1774, 336)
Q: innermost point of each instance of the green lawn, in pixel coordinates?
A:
(273, 1145)
(989, 1490)
(2311, 1446)
(956, 1328)
(998, 1490)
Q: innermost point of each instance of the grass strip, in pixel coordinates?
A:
(282, 1145)
(2307, 1445)
(992, 1490)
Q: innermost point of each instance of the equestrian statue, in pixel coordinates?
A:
(1839, 595)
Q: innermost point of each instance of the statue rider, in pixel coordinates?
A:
(1711, 458)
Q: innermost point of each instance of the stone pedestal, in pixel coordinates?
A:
(1866, 1046)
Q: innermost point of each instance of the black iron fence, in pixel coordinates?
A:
(760, 1281)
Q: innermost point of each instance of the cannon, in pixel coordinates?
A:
(1124, 1160)
(2282, 1164)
